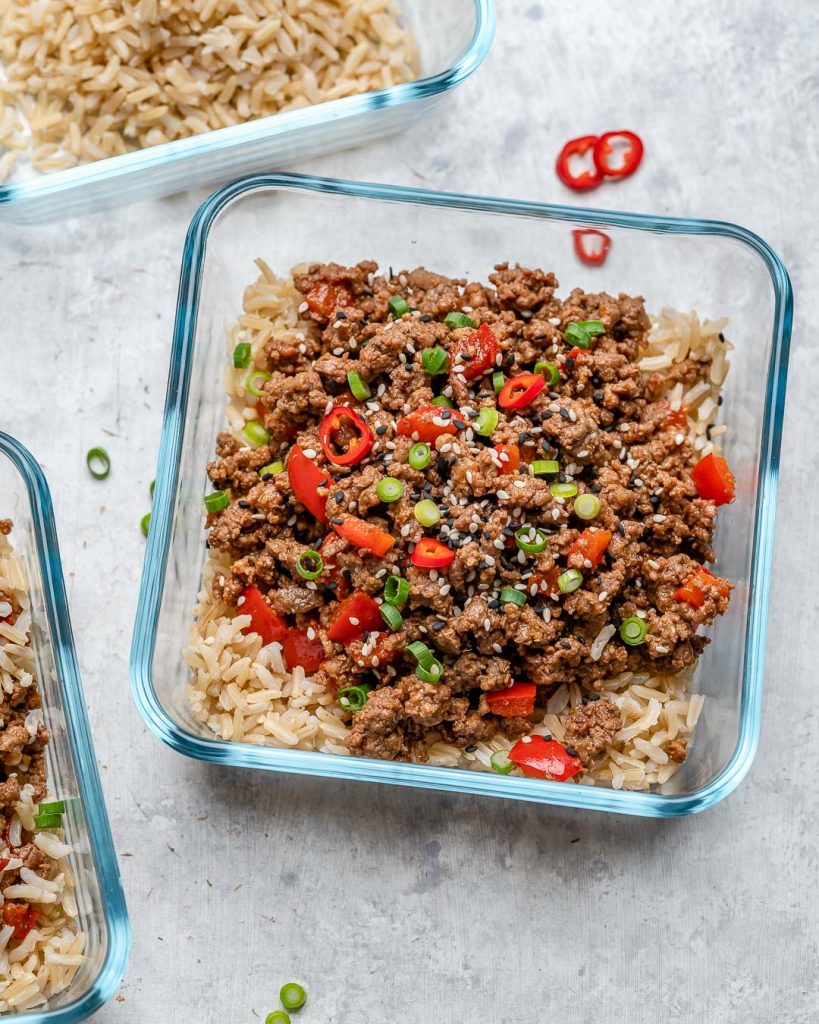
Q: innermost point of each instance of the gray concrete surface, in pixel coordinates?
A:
(401, 906)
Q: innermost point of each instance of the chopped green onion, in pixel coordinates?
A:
(256, 433)
(271, 469)
(567, 490)
(455, 320)
(549, 371)
(145, 523)
(358, 386)
(152, 488)
(398, 307)
(570, 580)
(486, 422)
(633, 631)
(509, 595)
(48, 821)
(309, 564)
(277, 1017)
(498, 380)
(531, 540)
(427, 512)
(434, 361)
(592, 327)
(579, 335)
(500, 763)
(541, 467)
(391, 615)
(51, 807)
(217, 501)
(419, 650)
(292, 995)
(353, 698)
(241, 356)
(396, 590)
(99, 463)
(419, 455)
(587, 506)
(431, 671)
(444, 401)
(251, 385)
(389, 489)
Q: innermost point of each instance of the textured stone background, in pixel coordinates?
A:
(402, 906)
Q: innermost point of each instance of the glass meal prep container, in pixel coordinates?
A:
(72, 767)
(716, 268)
(453, 37)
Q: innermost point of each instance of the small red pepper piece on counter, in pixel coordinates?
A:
(585, 180)
(714, 480)
(355, 615)
(511, 464)
(342, 428)
(21, 917)
(362, 534)
(430, 553)
(539, 758)
(604, 148)
(306, 478)
(427, 423)
(300, 649)
(481, 347)
(263, 620)
(516, 700)
(590, 546)
(520, 391)
(325, 298)
(695, 588)
(591, 246)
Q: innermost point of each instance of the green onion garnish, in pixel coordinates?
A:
(358, 386)
(498, 380)
(419, 455)
(427, 512)
(543, 467)
(444, 401)
(500, 762)
(255, 381)
(419, 650)
(217, 501)
(292, 996)
(570, 580)
(152, 488)
(99, 463)
(455, 320)
(431, 671)
(48, 821)
(567, 490)
(51, 807)
(580, 333)
(353, 698)
(309, 564)
(398, 307)
(145, 524)
(549, 371)
(389, 489)
(592, 327)
(633, 631)
(531, 540)
(509, 595)
(391, 615)
(256, 433)
(587, 506)
(396, 591)
(271, 469)
(277, 1017)
(486, 422)
(241, 356)
(434, 361)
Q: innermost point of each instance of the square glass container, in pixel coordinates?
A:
(716, 268)
(72, 767)
(453, 37)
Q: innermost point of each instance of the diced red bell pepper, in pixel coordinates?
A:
(21, 917)
(263, 620)
(482, 348)
(430, 553)
(299, 649)
(511, 464)
(604, 148)
(344, 436)
(695, 588)
(517, 700)
(355, 615)
(427, 424)
(575, 354)
(4, 863)
(363, 534)
(381, 650)
(584, 180)
(590, 546)
(520, 391)
(324, 298)
(546, 582)
(714, 480)
(306, 478)
(539, 758)
(591, 246)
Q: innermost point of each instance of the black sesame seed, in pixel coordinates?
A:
(621, 529)
(438, 626)
(522, 437)
(339, 497)
(340, 315)
(446, 414)
(593, 697)
(572, 752)
(381, 429)
(654, 500)
(564, 413)
(561, 478)
(425, 318)
(493, 604)
(471, 748)
(595, 381)
(595, 488)
(337, 521)
(569, 364)
(242, 503)
(547, 415)
(719, 400)
(597, 397)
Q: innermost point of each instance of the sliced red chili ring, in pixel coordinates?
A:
(337, 421)
(592, 246)
(585, 180)
(430, 553)
(603, 150)
(520, 391)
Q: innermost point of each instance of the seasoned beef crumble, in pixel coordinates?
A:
(603, 422)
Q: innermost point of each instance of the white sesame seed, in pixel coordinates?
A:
(659, 518)
(376, 661)
(445, 589)
(497, 648)
(679, 439)
(503, 495)
(310, 453)
(640, 613)
(587, 563)
(405, 529)
(487, 624)
(555, 513)
(499, 544)
(311, 585)
(489, 559)
(354, 621)
(311, 633)
(601, 597)
(572, 415)
(660, 649)
(652, 564)
(518, 483)
(583, 454)
(469, 476)
(303, 307)
(526, 739)
(338, 351)
(554, 321)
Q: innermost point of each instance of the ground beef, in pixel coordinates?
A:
(676, 750)
(590, 728)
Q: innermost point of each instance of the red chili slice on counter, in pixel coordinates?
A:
(325, 298)
(300, 649)
(430, 553)
(604, 149)
(591, 246)
(590, 546)
(481, 347)
(306, 478)
(263, 620)
(355, 615)
(517, 700)
(714, 480)
(363, 534)
(427, 423)
(345, 437)
(584, 180)
(520, 391)
(539, 758)
(511, 464)
(21, 917)
(695, 588)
